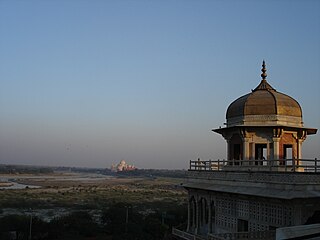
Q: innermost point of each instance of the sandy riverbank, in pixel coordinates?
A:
(5, 184)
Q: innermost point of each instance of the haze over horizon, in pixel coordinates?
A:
(88, 83)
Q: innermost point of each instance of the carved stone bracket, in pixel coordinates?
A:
(277, 132)
(244, 133)
(302, 135)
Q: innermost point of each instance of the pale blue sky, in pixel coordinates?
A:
(88, 83)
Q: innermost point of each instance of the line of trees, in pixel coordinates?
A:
(151, 173)
(21, 169)
(119, 222)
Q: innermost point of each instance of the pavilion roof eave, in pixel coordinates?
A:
(310, 131)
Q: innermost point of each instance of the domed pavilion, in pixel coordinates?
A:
(264, 124)
(265, 189)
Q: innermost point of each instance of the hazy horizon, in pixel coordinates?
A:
(89, 83)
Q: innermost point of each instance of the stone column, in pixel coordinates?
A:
(301, 136)
(228, 149)
(277, 133)
(276, 148)
(189, 217)
(246, 150)
(268, 150)
(194, 217)
(203, 212)
(253, 153)
(298, 152)
(209, 219)
(299, 148)
(197, 218)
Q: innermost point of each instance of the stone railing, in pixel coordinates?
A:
(280, 165)
(266, 235)
(256, 176)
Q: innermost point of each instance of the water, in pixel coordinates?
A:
(77, 177)
(15, 185)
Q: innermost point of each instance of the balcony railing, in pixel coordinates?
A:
(280, 165)
(265, 235)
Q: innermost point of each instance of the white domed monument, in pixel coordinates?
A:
(122, 167)
(264, 189)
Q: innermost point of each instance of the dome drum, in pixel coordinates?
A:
(265, 120)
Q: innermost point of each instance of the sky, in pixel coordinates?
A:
(88, 83)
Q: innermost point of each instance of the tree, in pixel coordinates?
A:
(75, 224)
(21, 225)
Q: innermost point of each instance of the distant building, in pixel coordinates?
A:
(265, 185)
(122, 166)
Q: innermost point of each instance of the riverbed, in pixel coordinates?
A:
(6, 183)
(39, 181)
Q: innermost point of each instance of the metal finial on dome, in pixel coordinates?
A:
(264, 74)
(264, 85)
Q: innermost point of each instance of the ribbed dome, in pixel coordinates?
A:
(264, 102)
(264, 106)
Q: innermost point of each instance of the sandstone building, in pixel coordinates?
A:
(265, 185)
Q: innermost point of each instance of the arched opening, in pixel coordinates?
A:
(260, 153)
(287, 151)
(235, 145)
(203, 215)
(212, 219)
(192, 213)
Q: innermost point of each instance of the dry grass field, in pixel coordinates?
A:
(74, 190)
(90, 206)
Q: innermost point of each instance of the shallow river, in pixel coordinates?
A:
(14, 185)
